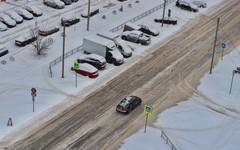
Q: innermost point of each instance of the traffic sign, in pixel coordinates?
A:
(169, 12)
(148, 109)
(76, 65)
(224, 45)
(33, 90)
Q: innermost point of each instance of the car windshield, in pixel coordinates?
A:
(126, 101)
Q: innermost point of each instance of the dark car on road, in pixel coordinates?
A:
(96, 60)
(166, 20)
(185, 5)
(128, 104)
(70, 20)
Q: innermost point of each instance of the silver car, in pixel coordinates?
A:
(200, 4)
(33, 10)
(136, 36)
(54, 3)
(14, 16)
(3, 27)
(24, 13)
(9, 22)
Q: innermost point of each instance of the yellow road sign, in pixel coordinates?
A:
(76, 65)
(148, 109)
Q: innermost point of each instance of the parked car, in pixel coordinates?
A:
(166, 20)
(200, 4)
(24, 13)
(74, 1)
(86, 70)
(93, 11)
(3, 51)
(128, 104)
(3, 27)
(25, 40)
(14, 16)
(67, 2)
(54, 3)
(9, 22)
(185, 6)
(48, 31)
(147, 30)
(123, 47)
(70, 20)
(136, 36)
(33, 10)
(96, 60)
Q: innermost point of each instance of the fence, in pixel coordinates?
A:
(141, 16)
(168, 141)
(66, 55)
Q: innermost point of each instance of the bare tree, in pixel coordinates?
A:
(41, 44)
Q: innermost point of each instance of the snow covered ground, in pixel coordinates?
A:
(191, 124)
(199, 123)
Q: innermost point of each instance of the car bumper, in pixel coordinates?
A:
(121, 110)
(117, 63)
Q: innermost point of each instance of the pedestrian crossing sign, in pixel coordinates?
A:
(148, 109)
(76, 65)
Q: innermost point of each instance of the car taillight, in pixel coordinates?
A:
(125, 109)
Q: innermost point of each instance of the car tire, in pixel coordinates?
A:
(139, 103)
(80, 61)
(124, 37)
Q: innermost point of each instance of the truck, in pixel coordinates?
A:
(121, 45)
(104, 47)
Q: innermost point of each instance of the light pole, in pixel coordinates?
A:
(88, 15)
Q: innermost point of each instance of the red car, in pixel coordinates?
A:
(86, 70)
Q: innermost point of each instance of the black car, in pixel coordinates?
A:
(185, 5)
(166, 20)
(25, 40)
(93, 11)
(68, 21)
(96, 60)
(128, 104)
(147, 30)
(3, 51)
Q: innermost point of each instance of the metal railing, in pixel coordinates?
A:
(66, 55)
(168, 141)
(141, 16)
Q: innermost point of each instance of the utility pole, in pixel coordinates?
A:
(163, 12)
(63, 50)
(214, 46)
(88, 15)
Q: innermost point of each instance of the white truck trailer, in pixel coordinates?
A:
(104, 47)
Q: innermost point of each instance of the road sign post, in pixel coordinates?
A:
(223, 46)
(169, 15)
(76, 66)
(148, 110)
(33, 90)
